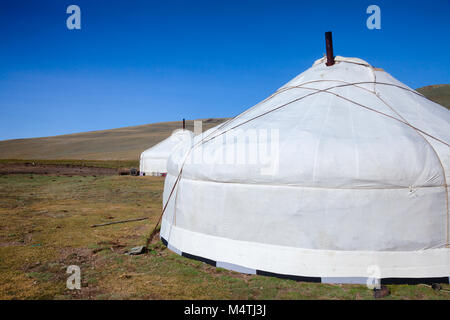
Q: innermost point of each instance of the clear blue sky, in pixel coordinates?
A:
(136, 62)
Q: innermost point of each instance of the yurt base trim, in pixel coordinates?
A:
(325, 266)
(325, 280)
(329, 280)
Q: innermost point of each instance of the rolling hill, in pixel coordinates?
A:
(115, 144)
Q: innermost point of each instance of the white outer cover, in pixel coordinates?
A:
(154, 159)
(354, 187)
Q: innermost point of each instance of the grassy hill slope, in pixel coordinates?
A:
(438, 93)
(114, 144)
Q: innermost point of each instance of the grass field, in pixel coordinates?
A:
(45, 226)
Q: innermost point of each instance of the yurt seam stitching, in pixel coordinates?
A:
(314, 187)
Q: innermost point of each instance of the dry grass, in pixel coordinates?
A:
(84, 163)
(45, 227)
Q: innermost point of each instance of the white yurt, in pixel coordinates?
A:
(340, 176)
(153, 161)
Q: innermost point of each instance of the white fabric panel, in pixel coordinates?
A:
(233, 267)
(313, 218)
(154, 159)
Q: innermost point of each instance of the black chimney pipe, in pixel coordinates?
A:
(329, 46)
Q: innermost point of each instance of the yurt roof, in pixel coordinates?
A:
(164, 148)
(379, 132)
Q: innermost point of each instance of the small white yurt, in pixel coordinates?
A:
(345, 181)
(153, 161)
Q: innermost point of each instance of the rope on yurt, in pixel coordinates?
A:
(347, 83)
(415, 129)
(301, 86)
(418, 131)
(440, 162)
(155, 229)
(326, 91)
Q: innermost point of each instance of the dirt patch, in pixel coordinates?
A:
(77, 256)
(114, 246)
(55, 169)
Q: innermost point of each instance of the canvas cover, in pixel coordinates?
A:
(357, 176)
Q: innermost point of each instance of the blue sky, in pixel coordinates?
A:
(136, 62)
